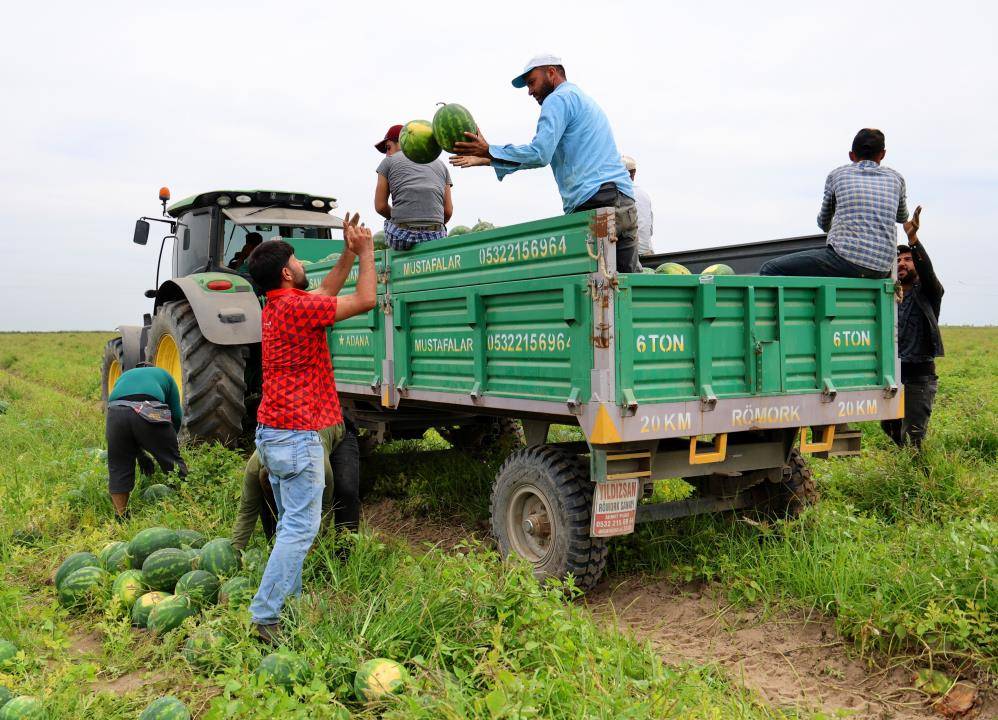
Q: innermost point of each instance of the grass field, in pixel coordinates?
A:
(901, 552)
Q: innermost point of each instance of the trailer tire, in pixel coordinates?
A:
(500, 434)
(111, 368)
(795, 492)
(540, 508)
(212, 378)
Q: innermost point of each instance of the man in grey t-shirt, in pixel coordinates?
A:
(420, 196)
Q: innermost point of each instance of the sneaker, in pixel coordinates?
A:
(268, 634)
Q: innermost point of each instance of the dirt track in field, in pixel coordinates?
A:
(789, 660)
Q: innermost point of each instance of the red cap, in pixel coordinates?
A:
(393, 134)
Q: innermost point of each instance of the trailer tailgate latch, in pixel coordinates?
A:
(828, 390)
(708, 400)
(891, 388)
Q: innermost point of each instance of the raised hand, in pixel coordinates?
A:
(911, 227)
(467, 161)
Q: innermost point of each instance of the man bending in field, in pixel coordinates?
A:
(299, 400)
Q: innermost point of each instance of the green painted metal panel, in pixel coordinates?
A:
(358, 347)
(318, 270)
(684, 337)
(528, 339)
(544, 248)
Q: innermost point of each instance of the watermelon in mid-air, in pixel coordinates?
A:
(379, 677)
(718, 269)
(671, 268)
(450, 123)
(418, 143)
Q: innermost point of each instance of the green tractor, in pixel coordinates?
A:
(204, 328)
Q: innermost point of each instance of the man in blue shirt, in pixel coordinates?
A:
(575, 139)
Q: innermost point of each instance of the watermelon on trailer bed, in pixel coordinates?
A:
(165, 567)
(418, 143)
(190, 538)
(166, 708)
(148, 541)
(170, 613)
(127, 588)
(718, 269)
(219, 558)
(283, 669)
(235, 591)
(459, 230)
(23, 707)
(379, 677)
(83, 588)
(671, 268)
(200, 586)
(74, 562)
(143, 607)
(450, 122)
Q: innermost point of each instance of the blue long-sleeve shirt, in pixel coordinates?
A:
(575, 139)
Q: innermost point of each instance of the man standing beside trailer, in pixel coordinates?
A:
(574, 138)
(299, 400)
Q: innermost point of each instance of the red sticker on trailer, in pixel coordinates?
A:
(615, 505)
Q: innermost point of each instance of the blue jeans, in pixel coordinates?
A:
(818, 263)
(295, 460)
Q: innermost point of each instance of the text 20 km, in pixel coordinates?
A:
(856, 408)
(523, 250)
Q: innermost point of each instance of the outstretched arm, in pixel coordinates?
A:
(333, 282)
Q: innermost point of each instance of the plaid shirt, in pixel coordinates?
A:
(862, 203)
(399, 238)
(299, 392)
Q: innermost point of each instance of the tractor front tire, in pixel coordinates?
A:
(541, 505)
(211, 378)
(111, 368)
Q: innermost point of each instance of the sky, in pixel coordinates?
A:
(735, 113)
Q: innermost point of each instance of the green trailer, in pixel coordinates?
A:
(725, 381)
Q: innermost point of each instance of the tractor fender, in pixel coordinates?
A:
(133, 345)
(225, 317)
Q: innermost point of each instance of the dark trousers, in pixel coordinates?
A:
(818, 263)
(128, 436)
(919, 394)
(625, 223)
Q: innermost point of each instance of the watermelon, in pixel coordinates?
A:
(647, 271)
(418, 143)
(193, 555)
(204, 651)
(718, 269)
(200, 586)
(166, 708)
(482, 225)
(459, 230)
(113, 557)
(126, 588)
(219, 558)
(169, 613)
(284, 669)
(144, 605)
(235, 591)
(190, 538)
(148, 541)
(5, 695)
(671, 268)
(164, 568)
(252, 559)
(74, 562)
(7, 652)
(157, 492)
(379, 677)
(450, 122)
(83, 587)
(23, 707)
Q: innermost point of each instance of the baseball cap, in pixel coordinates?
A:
(536, 61)
(629, 162)
(393, 134)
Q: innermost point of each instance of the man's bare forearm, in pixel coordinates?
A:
(367, 281)
(333, 282)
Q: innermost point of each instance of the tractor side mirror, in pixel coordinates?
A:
(141, 236)
(187, 238)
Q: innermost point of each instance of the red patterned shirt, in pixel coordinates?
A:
(299, 392)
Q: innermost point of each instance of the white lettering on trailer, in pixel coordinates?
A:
(852, 338)
(750, 416)
(662, 343)
(857, 408)
(443, 344)
(419, 266)
(354, 341)
(674, 422)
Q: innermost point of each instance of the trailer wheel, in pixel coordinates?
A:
(496, 434)
(797, 490)
(541, 504)
(111, 368)
(211, 378)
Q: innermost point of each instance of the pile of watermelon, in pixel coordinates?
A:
(160, 578)
(672, 268)
(422, 140)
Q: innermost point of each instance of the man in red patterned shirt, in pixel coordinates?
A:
(300, 405)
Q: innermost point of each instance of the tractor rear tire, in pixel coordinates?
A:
(111, 368)
(798, 489)
(211, 378)
(541, 507)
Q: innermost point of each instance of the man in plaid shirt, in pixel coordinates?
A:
(862, 203)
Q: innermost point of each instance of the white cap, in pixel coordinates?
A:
(629, 162)
(535, 62)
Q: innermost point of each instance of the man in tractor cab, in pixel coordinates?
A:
(239, 260)
(144, 414)
(299, 400)
(574, 138)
